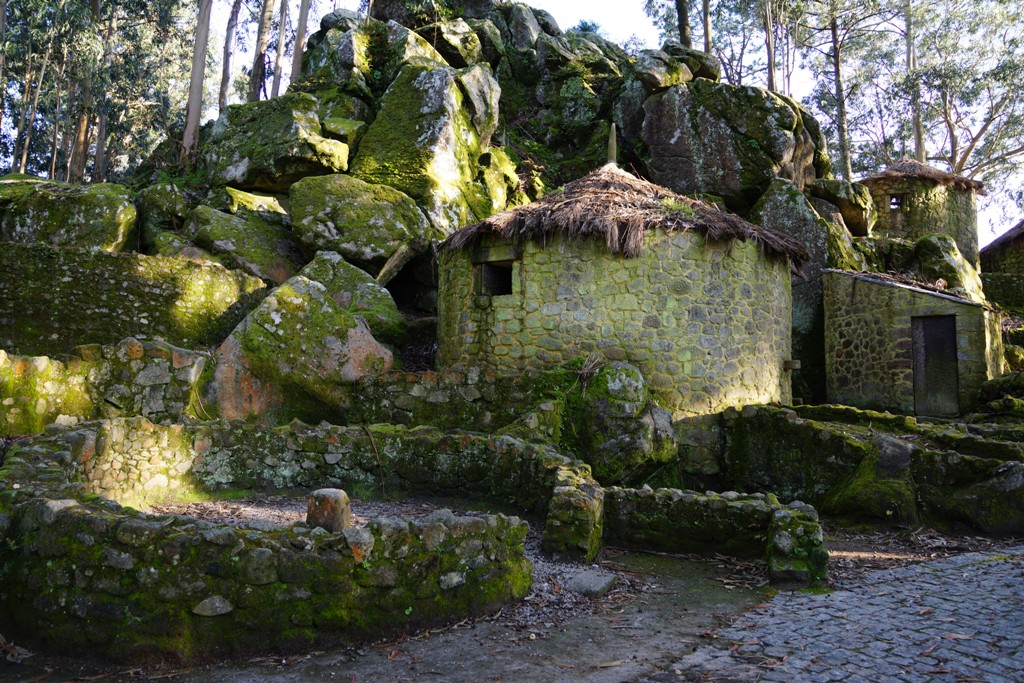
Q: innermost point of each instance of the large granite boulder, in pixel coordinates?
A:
(269, 145)
(456, 41)
(84, 216)
(658, 71)
(299, 339)
(938, 261)
(617, 429)
(364, 223)
(162, 208)
(416, 14)
(248, 243)
(853, 201)
(424, 142)
(726, 140)
(359, 294)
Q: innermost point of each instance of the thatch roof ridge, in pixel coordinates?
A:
(912, 168)
(1004, 239)
(619, 207)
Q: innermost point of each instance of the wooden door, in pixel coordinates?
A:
(936, 380)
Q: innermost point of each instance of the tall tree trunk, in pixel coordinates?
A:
(683, 19)
(229, 39)
(56, 123)
(99, 167)
(707, 26)
(920, 153)
(259, 62)
(193, 110)
(80, 150)
(769, 42)
(841, 124)
(26, 89)
(67, 141)
(32, 112)
(279, 59)
(300, 40)
(3, 60)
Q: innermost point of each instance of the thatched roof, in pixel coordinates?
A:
(619, 208)
(1005, 239)
(911, 168)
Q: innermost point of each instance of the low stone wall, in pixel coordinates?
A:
(730, 523)
(52, 299)
(82, 573)
(152, 379)
(1005, 289)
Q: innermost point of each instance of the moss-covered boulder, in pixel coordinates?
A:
(615, 427)
(299, 339)
(882, 487)
(250, 244)
(364, 223)
(359, 294)
(658, 71)
(416, 14)
(700, 64)
(269, 145)
(853, 200)
(162, 207)
(785, 209)
(726, 140)
(53, 299)
(174, 245)
(424, 143)
(85, 216)
(937, 260)
(455, 41)
(995, 505)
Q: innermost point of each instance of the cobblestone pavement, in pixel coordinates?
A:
(957, 619)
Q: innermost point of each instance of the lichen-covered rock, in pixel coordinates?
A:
(250, 244)
(853, 200)
(492, 45)
(346, 130)
(54, 299)
(174, 245)
(424, 143)
(617, 430)
(483, 95)
(523, 27)
(84, 216)
(937, 258)
(364, 223)
(269, 145)
(248, 204)
(725, 140)
(343, 19)
(359, 294)
(700, 64)
(300, 339)
(416, 14)
(658, 71)
(161, 207)
(882, 486)
(996, 505)
(455, 41)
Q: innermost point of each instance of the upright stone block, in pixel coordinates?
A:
(329, 508)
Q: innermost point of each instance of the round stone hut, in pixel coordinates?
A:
(914, 199)
(613, 265)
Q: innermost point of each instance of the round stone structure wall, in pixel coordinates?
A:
(708, 323)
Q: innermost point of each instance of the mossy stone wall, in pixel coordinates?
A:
(153, 379)
(52, 299)
(1008, 258)
(81, 573)
(1005, 288)
(869, 344)
(707, 323)
(927, 208)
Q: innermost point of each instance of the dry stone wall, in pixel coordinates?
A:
(152, 379)
(708, 324)
(52, 299)
(868, 343)
(1006, 259)
(1004, 288)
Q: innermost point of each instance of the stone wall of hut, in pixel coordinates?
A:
(708, 324)
(1006, 259)
(926, 208)
(869, 344)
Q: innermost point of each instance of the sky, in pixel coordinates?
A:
(619, 21)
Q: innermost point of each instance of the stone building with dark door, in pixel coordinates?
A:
(897, 346)
(914, 200)
(613, 265)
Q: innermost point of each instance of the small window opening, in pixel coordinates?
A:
(496, 278)
(895, 202)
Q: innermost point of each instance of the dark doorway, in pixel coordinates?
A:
(936, 382)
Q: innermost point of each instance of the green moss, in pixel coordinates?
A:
(872, 494)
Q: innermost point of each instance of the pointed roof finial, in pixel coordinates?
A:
(613, 147)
